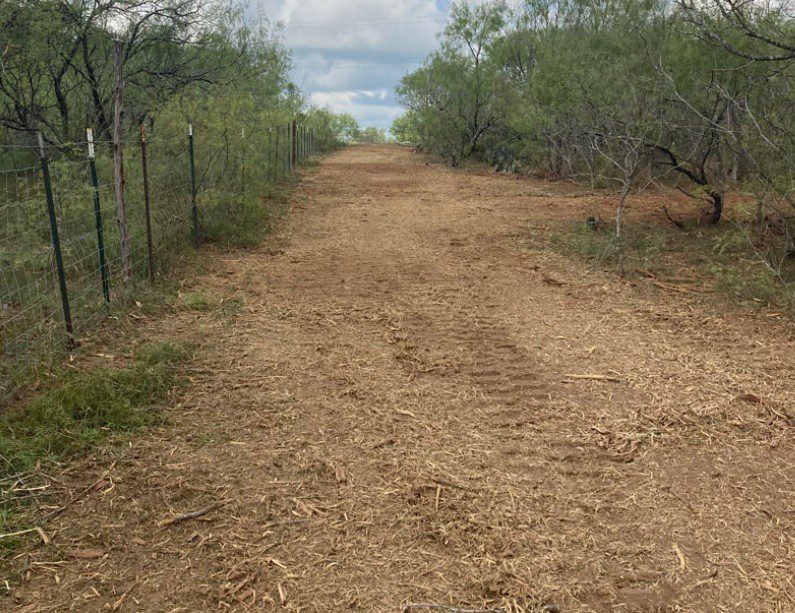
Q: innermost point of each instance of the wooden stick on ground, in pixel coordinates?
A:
(42, 535)
(595, 377)
(188, 516)
(18, 533)
(74, 499)
(442, 607)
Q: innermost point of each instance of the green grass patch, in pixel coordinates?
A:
(74, 413)
(721, 256)
(759, 286)
(196, 301)
(77, 409)
(240, 221)
(638, 248)
(244, 220)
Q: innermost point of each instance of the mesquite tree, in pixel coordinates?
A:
(56, 59)
(456, 94)
(761, 126)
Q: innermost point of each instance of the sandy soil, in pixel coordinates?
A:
(404, 404)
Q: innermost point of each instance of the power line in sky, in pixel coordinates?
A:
(346, 23)
(349, 66)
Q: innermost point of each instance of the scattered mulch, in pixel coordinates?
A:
(412, 409)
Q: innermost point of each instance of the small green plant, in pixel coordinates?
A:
(723, 257)
(74, 413)
(638, 248)
(752, 282)
(196, 301)
(235, 219)
(599, 246)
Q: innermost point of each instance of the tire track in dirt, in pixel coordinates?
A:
(390, 418)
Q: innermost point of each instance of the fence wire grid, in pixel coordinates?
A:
(38, 323)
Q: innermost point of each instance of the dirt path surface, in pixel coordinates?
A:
(403, 400)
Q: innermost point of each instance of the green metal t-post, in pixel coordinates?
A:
(194, 206)
(56, 243)
(103, 263)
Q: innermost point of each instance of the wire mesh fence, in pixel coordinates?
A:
(60, 205)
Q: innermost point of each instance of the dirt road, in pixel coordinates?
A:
(402, 401)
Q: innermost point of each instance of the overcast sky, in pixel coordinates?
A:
(350, 54)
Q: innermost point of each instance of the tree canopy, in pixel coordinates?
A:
(624, 91)
(57, 77)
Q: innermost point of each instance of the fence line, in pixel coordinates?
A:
(61, 257)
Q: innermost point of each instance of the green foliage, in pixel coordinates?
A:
(725, 258)
(407, 129)
(372, 135)
(572, 87)
(196, 301)
(454, 97)
(639, 248)
(761, 286)
(185, 62)
(342, 128)
(199, 57)
(695, 94)
(58, 59)
(77, 409)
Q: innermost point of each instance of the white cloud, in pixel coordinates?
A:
(380, 94)
(334, 101)
(359, 104)
(382, 26)
(348, 76)
(348, 55)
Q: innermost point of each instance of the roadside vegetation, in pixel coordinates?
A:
(73, 412)
(688, 97)
(76, 408)
(183, 62)
(372, 136)
(178, 67)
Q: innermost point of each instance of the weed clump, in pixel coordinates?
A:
(724, 259)
(638, 248)
(196, 301)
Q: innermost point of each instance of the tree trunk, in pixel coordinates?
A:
(620, 210)
(63, 109)
(118, 163)
(556, 164)
(717, 205)
(100, 115)
(732, 127)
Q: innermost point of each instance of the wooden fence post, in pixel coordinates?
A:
(294, 146)
(147, 207)
(118, 161)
